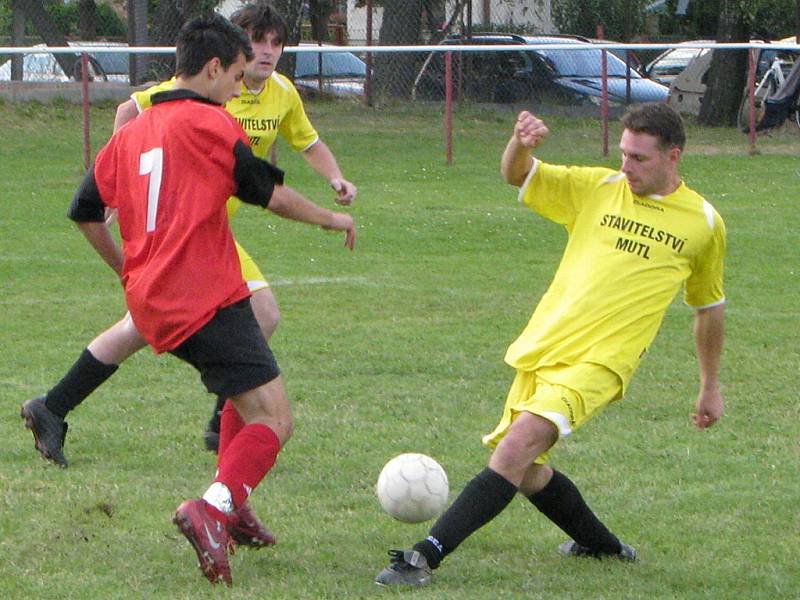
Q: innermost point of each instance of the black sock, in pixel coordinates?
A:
(562, 503)
(214, 423)
(84, 377)
(481, 501)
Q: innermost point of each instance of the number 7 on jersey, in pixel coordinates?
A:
(152, 163)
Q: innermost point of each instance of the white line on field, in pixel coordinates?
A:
(317, 280)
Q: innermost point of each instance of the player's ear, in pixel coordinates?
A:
(214, 68)
(674, 154)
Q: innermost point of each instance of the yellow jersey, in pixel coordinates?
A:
(626, 258)
(276, 109)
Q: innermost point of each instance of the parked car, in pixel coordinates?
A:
(687, 89)
(343, 73)
(664, 67)
(569, 76)
(103, 66)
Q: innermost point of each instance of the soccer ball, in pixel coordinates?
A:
(412, 488)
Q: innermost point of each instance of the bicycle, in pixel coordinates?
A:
(765, 89)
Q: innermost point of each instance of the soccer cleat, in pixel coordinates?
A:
(407, 567)
(246, 530)
(49, 430)
(205, 528)
(573, 548)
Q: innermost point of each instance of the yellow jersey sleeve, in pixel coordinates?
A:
(143, 98)
(704, 286)
(295, 128)
(557, 192)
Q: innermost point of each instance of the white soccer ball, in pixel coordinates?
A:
(412, 488)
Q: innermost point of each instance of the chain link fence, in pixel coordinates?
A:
(540, 78)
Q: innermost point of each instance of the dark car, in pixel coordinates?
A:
(569, 76)
(343, 73)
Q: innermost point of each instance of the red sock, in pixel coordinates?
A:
(230, 424)
(248, 458)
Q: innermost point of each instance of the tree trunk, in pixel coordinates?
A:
(728, 70)
(87, 19)
(320, 14)
(395, 72)
(435, 17)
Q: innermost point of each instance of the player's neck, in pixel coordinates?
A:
(254, 84)
(198, 85)
(672, 184)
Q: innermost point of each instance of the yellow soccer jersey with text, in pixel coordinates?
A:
(276, 109)
(625, 260)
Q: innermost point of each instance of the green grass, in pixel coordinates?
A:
(398, 347)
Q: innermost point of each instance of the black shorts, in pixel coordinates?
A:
(230, 352)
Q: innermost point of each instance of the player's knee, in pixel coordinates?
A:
(527, 438)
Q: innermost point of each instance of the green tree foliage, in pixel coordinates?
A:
(621, 19)
(764, 19)
(109, 24)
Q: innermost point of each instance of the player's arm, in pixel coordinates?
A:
(88, 212)
(260, 183)
(126, 111)
(517, 161)
(322, 160)
(289, 204)
(709, 334)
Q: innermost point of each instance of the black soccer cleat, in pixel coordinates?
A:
(49, 430)
(407, 567)
(573, 548)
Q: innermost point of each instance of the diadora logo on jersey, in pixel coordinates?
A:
(638, 202)
(253, 100)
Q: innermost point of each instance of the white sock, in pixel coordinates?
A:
(219, 496)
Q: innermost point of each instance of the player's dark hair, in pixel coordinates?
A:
(206, 37)
(260, 18)
(658, 120)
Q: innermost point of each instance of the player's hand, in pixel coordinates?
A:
(346, 223)
(530, 130)
(710, 406)
(345, 191)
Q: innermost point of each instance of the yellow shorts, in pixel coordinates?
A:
(250, 271)
(566, 395)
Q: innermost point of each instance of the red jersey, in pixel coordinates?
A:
(169, 173)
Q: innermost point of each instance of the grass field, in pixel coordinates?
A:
(398, 347)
